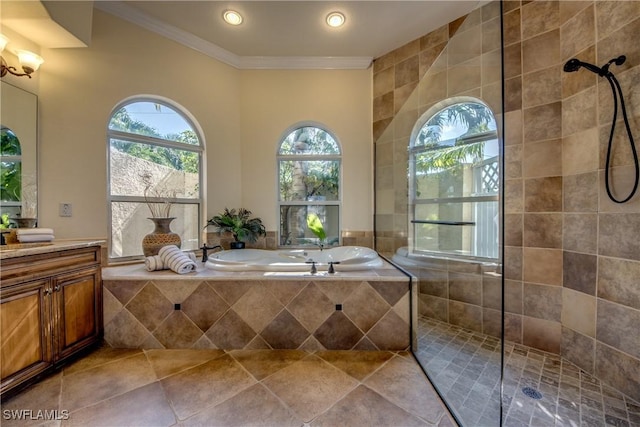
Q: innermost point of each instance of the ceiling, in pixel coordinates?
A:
(292, 34)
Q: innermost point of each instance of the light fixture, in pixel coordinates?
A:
(29, 61)
(335, 19)
(232, 17)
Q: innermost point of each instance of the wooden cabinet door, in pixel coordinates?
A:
(25, 340)
(78, 310)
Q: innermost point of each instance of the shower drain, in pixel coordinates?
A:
(532, 393)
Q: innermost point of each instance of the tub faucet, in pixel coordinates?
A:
(331, 269)
(206, 248)
(314, 270)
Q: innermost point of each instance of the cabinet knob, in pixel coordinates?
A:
(47, 291)
(56, 288)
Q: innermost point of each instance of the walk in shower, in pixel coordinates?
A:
(488, 169)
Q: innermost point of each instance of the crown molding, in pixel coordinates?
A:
(123, 11)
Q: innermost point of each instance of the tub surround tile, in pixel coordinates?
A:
(204, 307)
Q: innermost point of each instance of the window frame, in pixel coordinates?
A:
(307, 157)
(414, 201)
(159, 142)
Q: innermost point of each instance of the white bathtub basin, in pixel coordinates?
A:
(350, 258)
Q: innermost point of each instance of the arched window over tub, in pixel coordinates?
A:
(309, 186)
(155, 168)
(454, 180)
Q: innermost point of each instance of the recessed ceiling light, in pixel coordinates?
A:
(335, 19)
(232, 17)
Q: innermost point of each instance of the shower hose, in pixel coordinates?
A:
(615, 89)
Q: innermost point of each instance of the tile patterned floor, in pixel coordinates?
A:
(118, 387)
(465, 368)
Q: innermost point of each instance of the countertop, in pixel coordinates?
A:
(16, 250)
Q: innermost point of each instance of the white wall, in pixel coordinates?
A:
(242, 115)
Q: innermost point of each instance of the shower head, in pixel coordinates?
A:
(574, 64)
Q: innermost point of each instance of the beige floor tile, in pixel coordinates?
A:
(358, 364)
(169, 362)
(310, 386)
(262, 363)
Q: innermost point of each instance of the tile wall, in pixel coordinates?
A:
(258, 314)
(572, 257)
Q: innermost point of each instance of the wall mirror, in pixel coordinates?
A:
(18, 153)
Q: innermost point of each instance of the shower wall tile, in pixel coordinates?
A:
(541, 87)
(617, 326)
(383, 106)
(615, 238)
(513, 327)
(539, 17)
(513, 296)
(513, 229)
(465, 288)
(492, 322)
(618, 281)
(434, 282)
(435, 307)
(542, 158)
(617, 368)
(543, 122)
(580, 233)
(509, 5)
(428, 58)
(512, 28)
(542, 301)
(513, 132)
(580, 272)
(464, 77)
(611, 17)
(579, 312)
(434, 88)
(514, 192)
(490, 11)
(513, 268)
(580, 152)
(465, 315)
(512, 57)
(491, 34)
(406, 51)
(466, 45)
(435, 37)
(543, 230)
(542, 51)
(575, 82)
(542, 266)
(513, 94)
(541, 334)
(491, 292)
(578, 192)
(543, 194)
(622, 41)
(578, 33)
(579, 112)
(568, 9)
(383, 82)
(407, 71)
(578, 349)
(513, 168)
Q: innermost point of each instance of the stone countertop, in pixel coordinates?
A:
(16, 250)
(138, 272)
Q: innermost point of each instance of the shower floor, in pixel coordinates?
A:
(540, 388)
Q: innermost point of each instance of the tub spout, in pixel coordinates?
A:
(205, 249)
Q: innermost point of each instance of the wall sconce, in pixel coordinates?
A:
(29, 61)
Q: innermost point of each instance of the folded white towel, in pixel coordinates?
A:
(156, 263)
(176, 260)
(33, 231)
(31, 238)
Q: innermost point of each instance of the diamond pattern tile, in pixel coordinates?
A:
(177, 331)
(338, 332)
(284, 332)
(124, 331)
(385, 334)
(365, 307)
(150, 306)
(124, 290)
(285, 290)
(311, 307)
(230, 332)
(231, 290)
(390, 291)
(257, 307)
(204, 307)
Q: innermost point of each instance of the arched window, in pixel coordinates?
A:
(455, 180)
(155, 169)
(309, 160)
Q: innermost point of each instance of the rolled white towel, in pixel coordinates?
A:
(31, 238)
(156, 263)
(33, 231)
(176, 260)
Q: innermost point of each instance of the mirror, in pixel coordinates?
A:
(18, 155)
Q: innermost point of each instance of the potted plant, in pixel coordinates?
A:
(240, 225)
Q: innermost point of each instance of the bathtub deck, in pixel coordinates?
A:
(367, 310)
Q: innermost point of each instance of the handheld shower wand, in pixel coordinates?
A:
(575, 64)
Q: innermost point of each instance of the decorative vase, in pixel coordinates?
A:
(25, 222)
(161, 236)
(236, 245)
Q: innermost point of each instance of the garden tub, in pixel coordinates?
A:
(345, 258)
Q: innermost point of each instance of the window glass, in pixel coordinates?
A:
(455, 178)
(155, 158)
(309, 184)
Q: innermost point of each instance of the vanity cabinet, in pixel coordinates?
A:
(50, 309)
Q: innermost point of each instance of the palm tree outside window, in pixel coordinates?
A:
(454, 181)
(309, 161)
